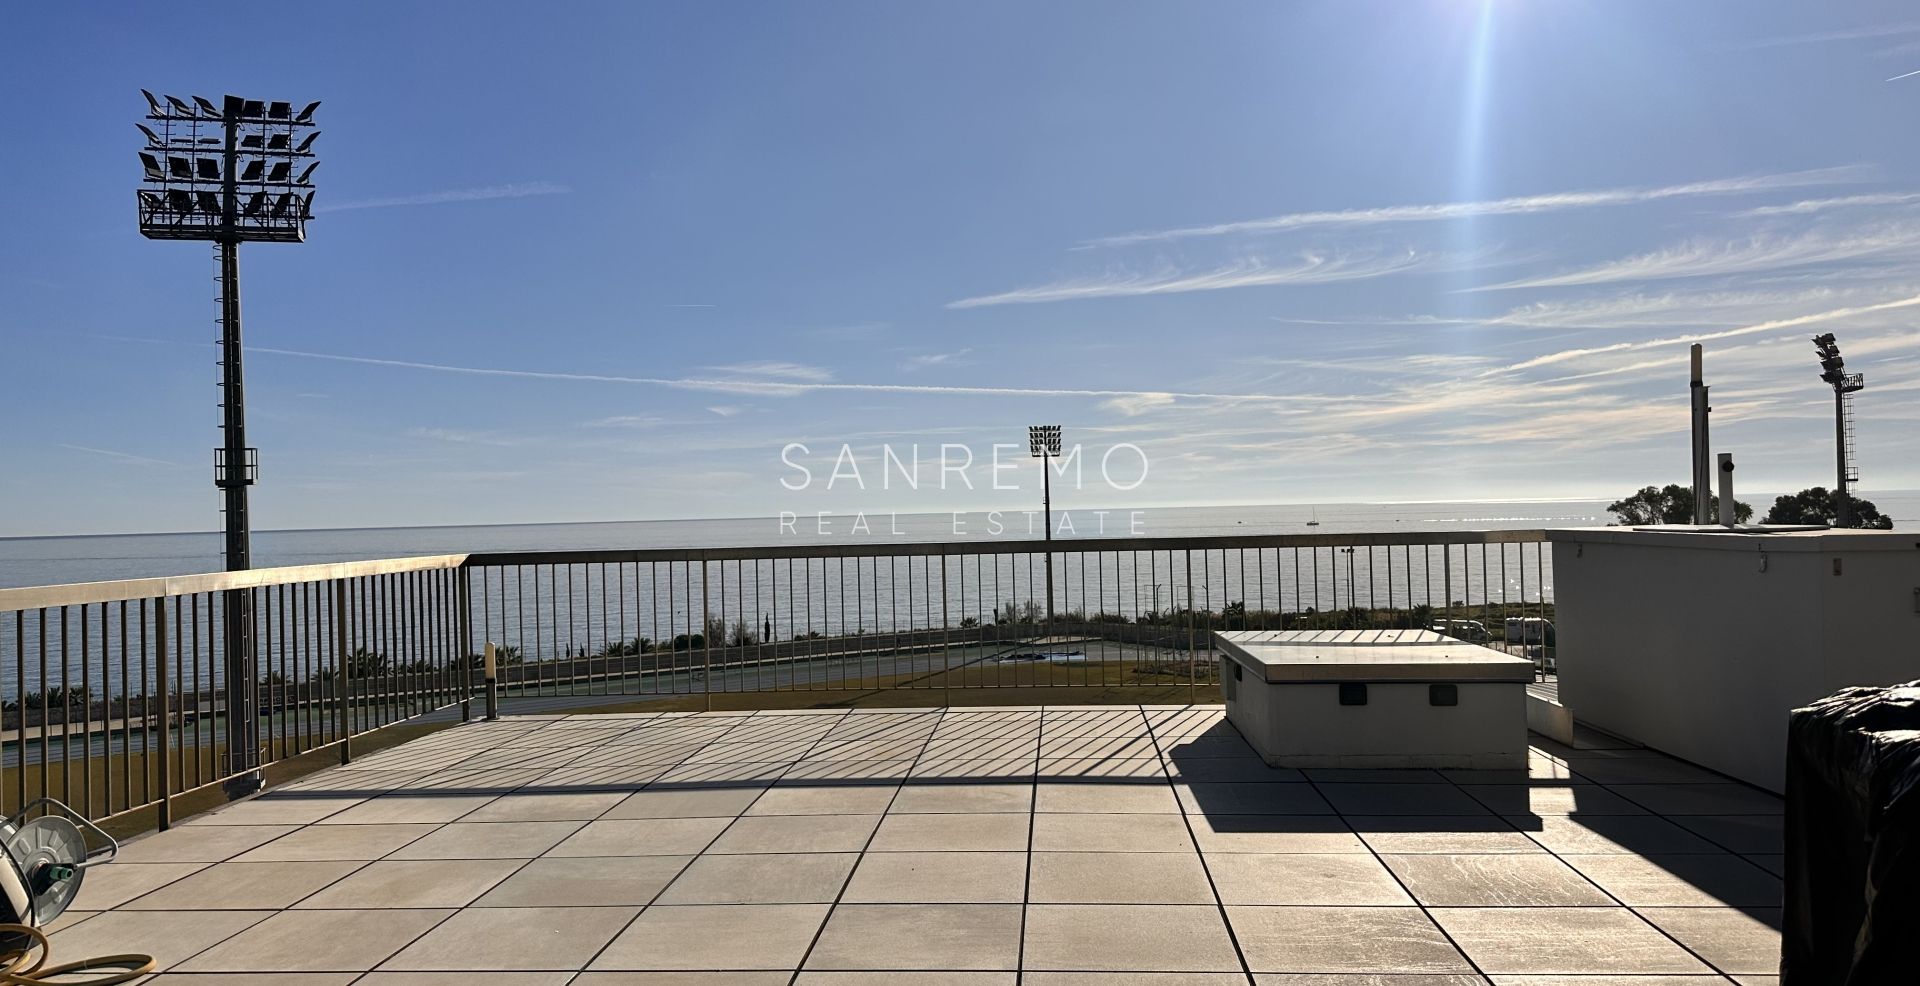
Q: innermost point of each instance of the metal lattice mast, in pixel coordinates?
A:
(225, 174)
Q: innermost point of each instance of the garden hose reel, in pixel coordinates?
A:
(46, 859)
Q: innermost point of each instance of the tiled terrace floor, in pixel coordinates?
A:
(1057, 847)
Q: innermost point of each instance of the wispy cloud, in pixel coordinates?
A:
(128, 457)
(1824, 37)
(628, 421)
(726, 410)
(779, 388)
(1808, 206)
(1774, 325)
(1701, 257)
(776, 368)
(517, 190)
(461, 436)
(1518, 205)
(692, 306)
(1307, 268)
(1138, 404)
(925, 360)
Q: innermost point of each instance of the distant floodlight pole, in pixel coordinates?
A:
(1044, 442)
(1702, 450)
(1833, 370)
(226, 174)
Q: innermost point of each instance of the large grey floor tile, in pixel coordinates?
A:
(1718, 880)
(403, 807)
(1101, 770)
(796, 834)
(111, 886)
(489, 840)
(1552, 799)
(1589, 834)
(682, 804)
(275, 808)
(1128, 937)
(515, 938)
(1139, 979)
(762, 878)
(1400, 799)
(1111, 833)
(1343, 940)
(245, 886)
(200, 843)
(837, 799)
(1442, 834)
(414, 883)
(322, 842)
(1745, 940)
(981, 832)
(1239, 798)
(938, 878)
(1738, 833)
(1324, 879)
(607, 881)
(690, 978)
(1417, 979)
(1494, 880)
(459, 979)
(1098, 798)
(316, 941)
(897, 978)
(718, 936)
(1273, 833)
(671, 836)
(1641, 770)
(1563, 941)
(1118, 878)
(919, 936)
(244, 979)
(561, 806)
(922, 798)
(1701, 799)
(1251, 770)
(169, 936)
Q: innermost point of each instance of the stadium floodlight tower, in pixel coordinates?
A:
(233, 173)
(1833, 370)
(1044, 442)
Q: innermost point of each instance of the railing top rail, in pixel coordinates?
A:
(76, 594)
(1004, 547)
(47, 596)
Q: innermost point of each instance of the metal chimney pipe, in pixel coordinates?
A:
(1726, 489)
(1702, 455)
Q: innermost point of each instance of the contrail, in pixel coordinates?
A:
(785, 388)
(1909, 75)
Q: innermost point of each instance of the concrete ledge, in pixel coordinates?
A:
(1549, 718)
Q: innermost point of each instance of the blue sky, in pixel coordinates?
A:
(606, 262)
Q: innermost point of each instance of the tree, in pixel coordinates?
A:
(1670, 504)
(1816, 506)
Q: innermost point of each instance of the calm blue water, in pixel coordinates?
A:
(58, 560)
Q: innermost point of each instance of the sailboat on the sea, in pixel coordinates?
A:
(1315, 521)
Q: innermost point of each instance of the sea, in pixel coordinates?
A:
(104, 557)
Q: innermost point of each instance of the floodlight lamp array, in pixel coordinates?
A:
(1043, 440)
(238, 171)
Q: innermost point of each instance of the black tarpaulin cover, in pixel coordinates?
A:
(1853, 840)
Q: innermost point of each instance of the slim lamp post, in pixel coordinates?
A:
(1044, 443)
(1833, 369)
(226, 174)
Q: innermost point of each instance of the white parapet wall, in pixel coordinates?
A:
(1699, 642)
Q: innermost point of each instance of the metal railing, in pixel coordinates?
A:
(113, 695)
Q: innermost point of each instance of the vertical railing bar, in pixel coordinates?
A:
(163, 756)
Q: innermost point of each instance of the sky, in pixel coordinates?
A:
(615, 261)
